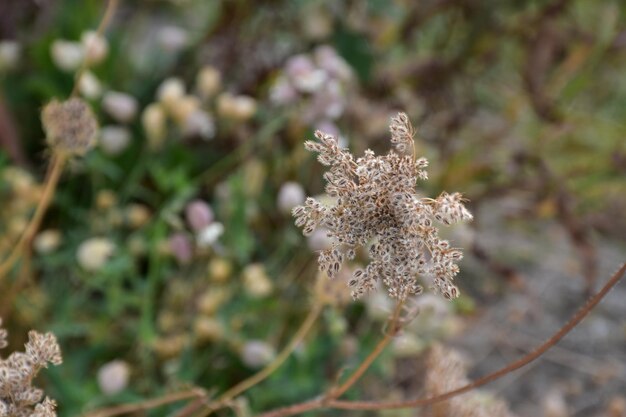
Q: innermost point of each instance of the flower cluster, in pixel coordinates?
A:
(377, 206)
(317, 82)
(17, 396)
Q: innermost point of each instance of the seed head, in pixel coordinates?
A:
(70, 126)
(377, 207)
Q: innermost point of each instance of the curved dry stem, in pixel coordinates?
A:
(222, 401)
(51, 182)
(392, 330)
(108, 14)
(525, 360)
(246, 384)
(147, 405)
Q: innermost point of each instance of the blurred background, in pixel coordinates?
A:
(169, 258)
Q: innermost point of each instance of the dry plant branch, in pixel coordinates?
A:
(223, 400)
(391, 331)
(525, 360)
(52, 179)
(56, 168)
(147, 405)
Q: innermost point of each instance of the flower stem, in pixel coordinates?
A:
(51, 182)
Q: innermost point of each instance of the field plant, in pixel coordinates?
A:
(165, 227)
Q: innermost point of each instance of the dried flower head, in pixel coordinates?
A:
(17, 396)
(70, 126)
(377, 207)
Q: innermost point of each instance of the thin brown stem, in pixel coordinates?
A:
(52, 180)
(108, 14)
(147, 405)
(382, 344)
(525, 360)
(246, 384)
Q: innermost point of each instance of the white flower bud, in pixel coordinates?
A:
(114, 139)
(89, 85)
(154, 124)
(93, 253)
(257, 353)
(66, 55)
(208, 81)
(170, 91)
(95, 47)
(255, 281)
(208, 236)
(113, 377)
(121, 106)
(47, 241)
(239, 108)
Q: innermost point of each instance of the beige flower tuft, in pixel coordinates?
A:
(70, 126)
(377, 206)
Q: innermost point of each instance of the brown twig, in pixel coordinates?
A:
(147, 405)
(525, 360)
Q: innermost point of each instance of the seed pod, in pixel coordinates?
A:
(70, 126)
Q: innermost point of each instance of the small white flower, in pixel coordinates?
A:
(89, 85)
(95, 46)
(257, 353)
(208, 236)
(113, 377)
(114, 139)
(66, 55)
(121, 106)
(93, 253)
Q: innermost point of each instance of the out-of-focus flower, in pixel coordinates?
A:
(113, 377)
(211, 300)
(239, 108)
(220, 269)
(70, 126)
(181, 248)
(303, 74)
(93, 253)
(114, 139)
(105, 199)
(67, 55)
(257, 353)
(318, 83)
(291, 194)
(183, 108)
(208, 236)
(121, 106)
(208, 329)
(170, 91)
(154, 124)
(173, 38)
(208, 81)
(327, 59)
(96, 47)
(256, 282)
(137, 215)
(89, 85)
(10, 52)
(198, 215)
(47, 241)
(199, 123)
